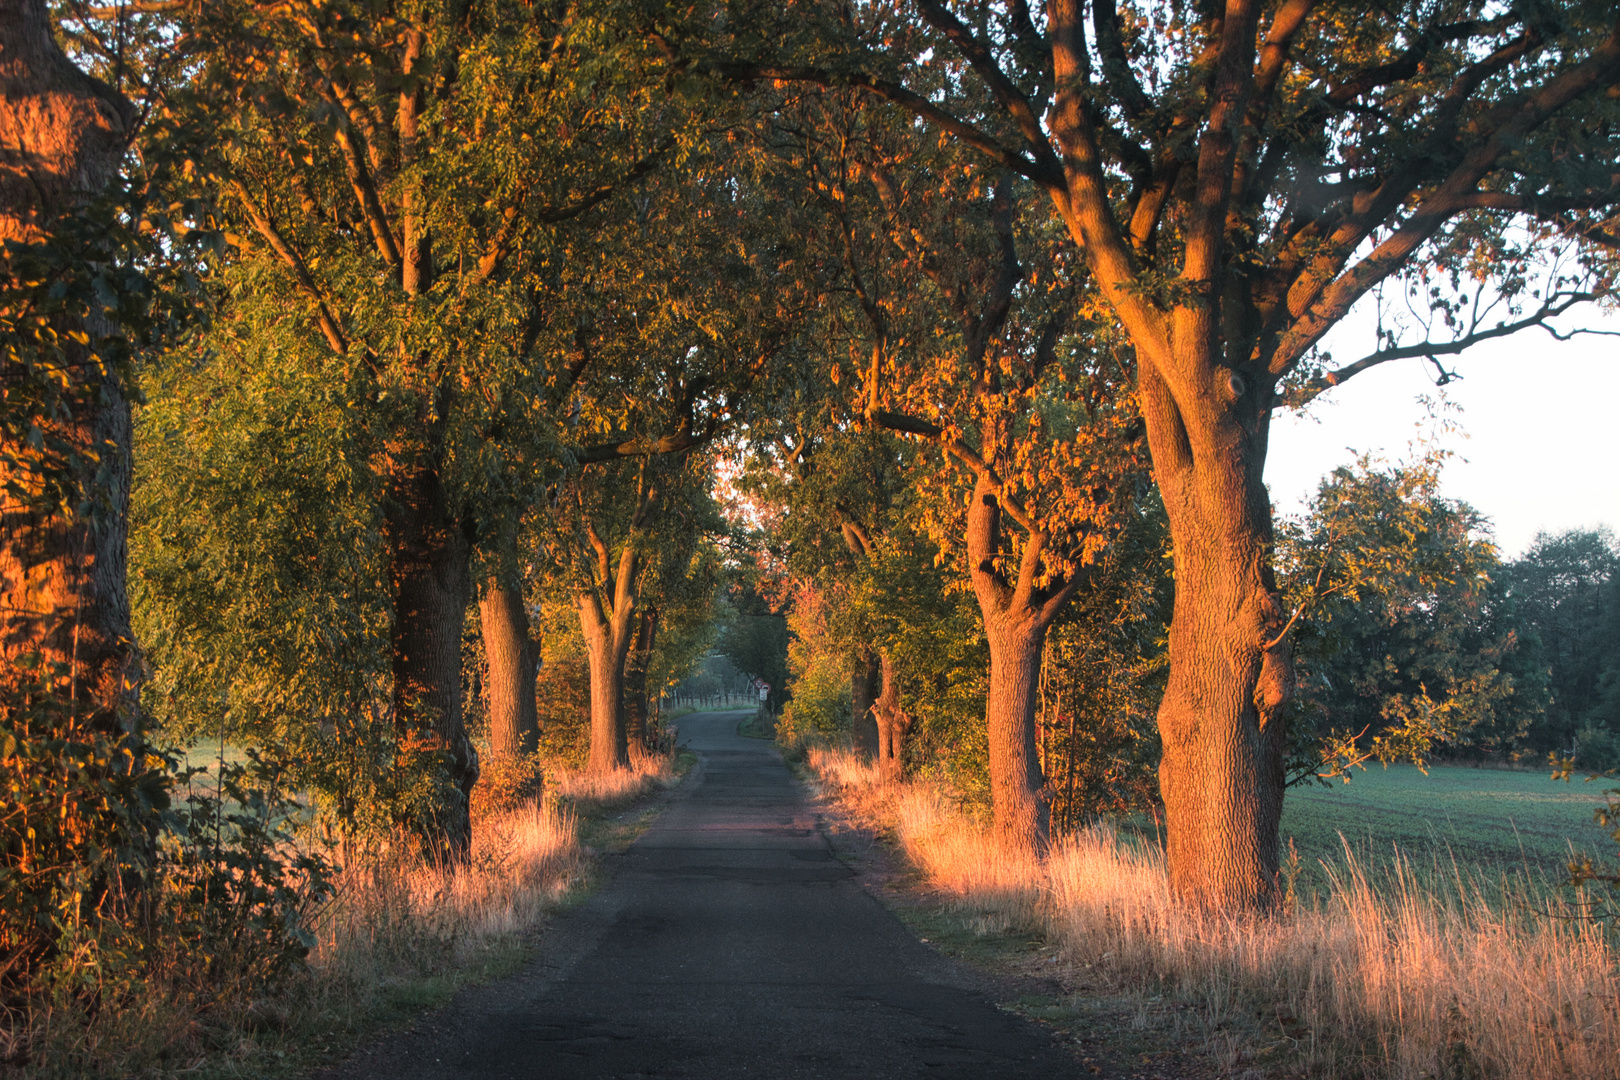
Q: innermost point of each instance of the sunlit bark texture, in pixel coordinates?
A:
(607, 616)
(1017, 615)
(513, 662)
(62, 570)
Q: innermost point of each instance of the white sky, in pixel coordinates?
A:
(1540, 441)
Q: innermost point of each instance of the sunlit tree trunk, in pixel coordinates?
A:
(607, 642)
(1016, 618)
(429, 571)
(62, 574)
(513, 661)
(609, 629)
(892, 724)
(1222, 775)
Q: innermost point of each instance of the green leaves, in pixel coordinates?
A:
(1404, 641)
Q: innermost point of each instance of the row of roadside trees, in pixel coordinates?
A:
(435, 308)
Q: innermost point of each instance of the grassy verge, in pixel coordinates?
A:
(401, 935)
(1379, 974)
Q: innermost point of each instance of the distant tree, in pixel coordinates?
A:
(755, 639)
(1406, 639)
(1567, 587)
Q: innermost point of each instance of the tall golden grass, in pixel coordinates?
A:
(398, 915)
(645, 775)
(1386, 973)
(401, 932)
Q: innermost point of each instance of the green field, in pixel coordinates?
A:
(1490, 821)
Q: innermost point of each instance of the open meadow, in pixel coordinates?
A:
(1489, 821)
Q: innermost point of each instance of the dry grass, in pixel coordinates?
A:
(1386, 974)
(645, 775)
(398, 916)
(401, 933)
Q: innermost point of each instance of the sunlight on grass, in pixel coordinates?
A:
(1383, 973)
(391, 904)
(644, 776)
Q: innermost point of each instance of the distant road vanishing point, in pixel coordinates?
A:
(730, 942)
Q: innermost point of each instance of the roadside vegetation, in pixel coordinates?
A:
(1382, 964)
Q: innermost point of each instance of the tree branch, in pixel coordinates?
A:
(1006, 93)
(1550, 309)
(1316, 308)
(300, 270)
(1048, 175)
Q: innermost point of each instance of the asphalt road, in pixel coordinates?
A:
(729, 942)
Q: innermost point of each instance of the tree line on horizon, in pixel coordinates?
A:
(439, 367)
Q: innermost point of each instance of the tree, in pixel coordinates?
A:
(1406, 639)
(833, 492)
(410, 182)
(1567, 587)
(64, 418)
(971, 336)
(607, 607)
(1237, 176)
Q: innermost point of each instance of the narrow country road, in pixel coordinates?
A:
(729, 942)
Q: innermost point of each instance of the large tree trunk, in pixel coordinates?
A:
(607, 640)
(429, 557)
(1016, 784)
(892, 724)
(513, 663)
(863, 693)
(635, 685)
(1016, 618)
(62, 574)
(1222, 775)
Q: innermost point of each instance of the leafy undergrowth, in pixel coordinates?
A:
(1377, 975)
(401, 934)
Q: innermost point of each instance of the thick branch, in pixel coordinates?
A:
(984, 63)
(1317, 308)
(1044, 173)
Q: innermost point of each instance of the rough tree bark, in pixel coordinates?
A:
(892, 723)
(429, 571)
(635, 685)
(606, 614)
(62, 576)
(1222, 775)
(513, 661)
(864, 683)
(1016, 618)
